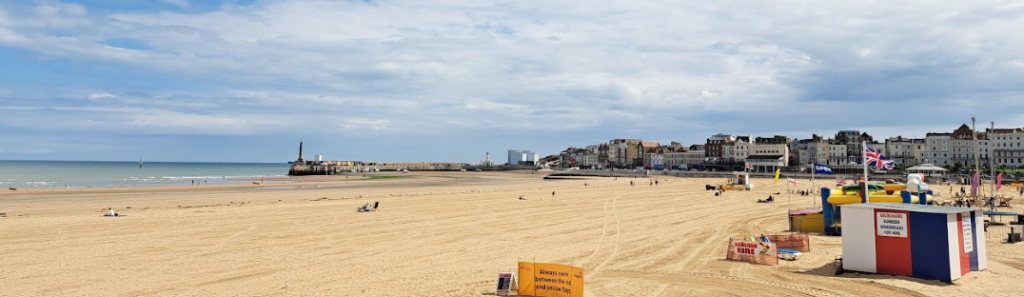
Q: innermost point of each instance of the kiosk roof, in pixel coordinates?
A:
(911, 207)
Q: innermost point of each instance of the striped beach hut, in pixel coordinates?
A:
(923, 241)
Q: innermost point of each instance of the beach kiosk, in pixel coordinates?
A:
(923, 241)
(741, 182)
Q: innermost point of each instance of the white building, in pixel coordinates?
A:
(736, 148)
(588, 157)
(522, 157)
(958, 147)
(1007, 146)
(937, 148)
(764, 154)
(694, 156)
(837, 154)
(905, 152)
(487, 162)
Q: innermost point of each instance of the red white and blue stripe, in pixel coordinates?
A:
(942, 243)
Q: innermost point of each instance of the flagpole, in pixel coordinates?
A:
(813, 169)
(864, 152)
(977, 151)
(992, 167)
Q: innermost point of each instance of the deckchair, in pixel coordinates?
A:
(1005, 200)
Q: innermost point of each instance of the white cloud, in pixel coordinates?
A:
(417, 67)
(54, 8)
(100, 96)
(497, 107)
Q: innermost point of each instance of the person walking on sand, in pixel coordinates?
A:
(552, 193)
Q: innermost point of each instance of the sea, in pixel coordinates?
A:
(103, 174)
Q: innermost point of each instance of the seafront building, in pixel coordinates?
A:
(807, 151)
(694, 156)
(724, 151)
(713, 146)
(905, 151)
(956, 148)
(624, 153)
(1007, 147)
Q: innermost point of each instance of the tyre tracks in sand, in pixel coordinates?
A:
(608, 217)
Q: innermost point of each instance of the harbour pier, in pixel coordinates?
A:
(318, 167)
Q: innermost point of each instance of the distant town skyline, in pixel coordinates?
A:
(447, 81)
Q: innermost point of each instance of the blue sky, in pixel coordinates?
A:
(245, 81)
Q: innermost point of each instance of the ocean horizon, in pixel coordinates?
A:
(105, 174)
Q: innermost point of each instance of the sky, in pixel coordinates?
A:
(447, 81)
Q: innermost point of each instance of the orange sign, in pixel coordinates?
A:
(550, 280)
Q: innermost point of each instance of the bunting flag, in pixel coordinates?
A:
(777, 172)
(750, 166)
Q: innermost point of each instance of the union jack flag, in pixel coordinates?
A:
(840, 181)
(877, 159)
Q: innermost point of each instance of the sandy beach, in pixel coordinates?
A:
(436, 234)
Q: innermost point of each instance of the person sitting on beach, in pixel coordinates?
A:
(111, 213)
(769, 200)
(522, 197)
